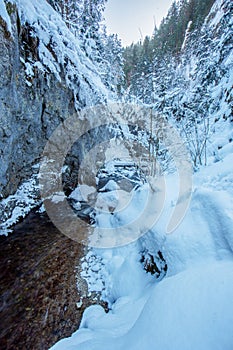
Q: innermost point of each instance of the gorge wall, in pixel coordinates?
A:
(40, 85)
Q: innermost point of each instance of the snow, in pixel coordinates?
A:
(59, 48)
(58, 197)
(110, 186)
(122, 216)
(17, 206)
(175, 316)
(191, 306)
(5, 16)
(190, 310)
(219, 13)
(186, 35)
(82, 192)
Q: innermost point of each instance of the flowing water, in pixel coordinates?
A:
(38, 285)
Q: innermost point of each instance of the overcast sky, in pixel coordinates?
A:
(131, 19)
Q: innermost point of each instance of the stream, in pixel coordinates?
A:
(38, 285)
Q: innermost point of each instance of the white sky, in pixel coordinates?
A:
(128, 17)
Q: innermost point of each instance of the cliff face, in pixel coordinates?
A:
(42, 83)
(28, 113)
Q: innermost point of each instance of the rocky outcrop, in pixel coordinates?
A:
(28, 112)
(33, 98)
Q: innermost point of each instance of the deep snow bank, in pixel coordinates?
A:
(190, 310)
(191, 307)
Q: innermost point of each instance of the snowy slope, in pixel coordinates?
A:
(188, 311)
(205, 91)
(191, 307)
(60, 53)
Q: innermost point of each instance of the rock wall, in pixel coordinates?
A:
(34, 98)
(29, 110)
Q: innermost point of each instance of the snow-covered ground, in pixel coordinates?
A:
(16, 206)
(189, 307)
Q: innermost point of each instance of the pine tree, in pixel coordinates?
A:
(112, 62)
(84, 19)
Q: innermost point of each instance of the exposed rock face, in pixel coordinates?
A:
(28, 114)
(42, 83)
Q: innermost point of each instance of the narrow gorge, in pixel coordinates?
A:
(115, 179)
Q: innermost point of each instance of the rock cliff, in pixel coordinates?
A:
(42, 83)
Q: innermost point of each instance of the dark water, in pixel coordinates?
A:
(38, 287)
